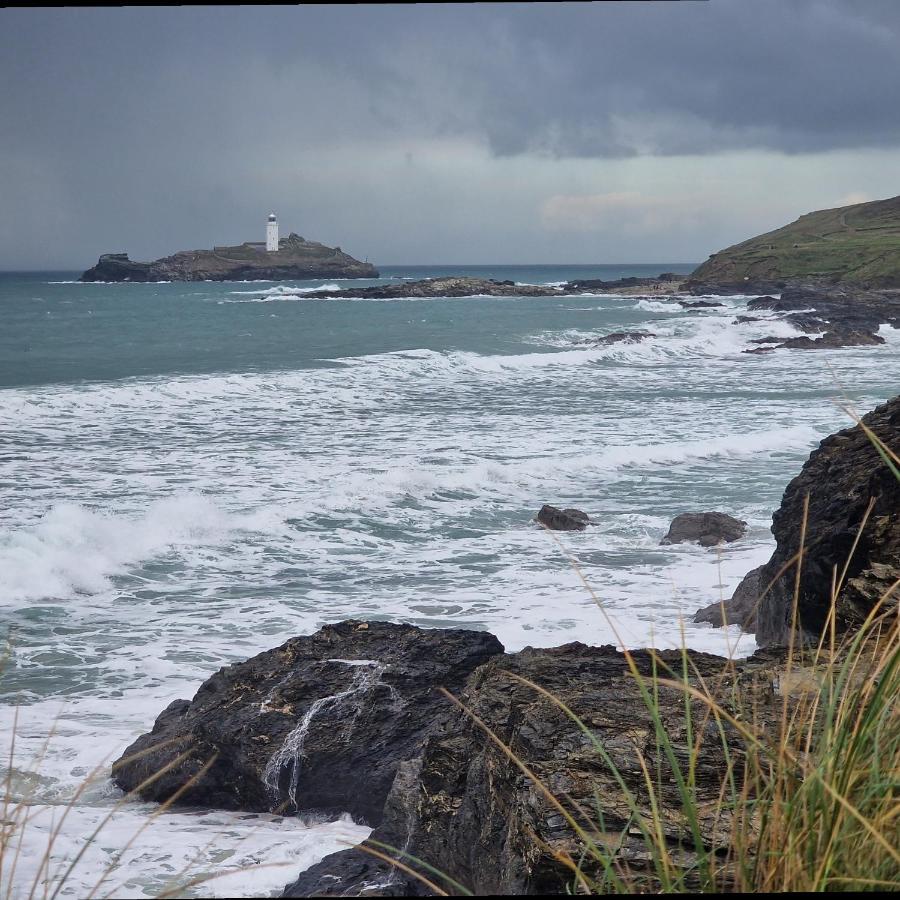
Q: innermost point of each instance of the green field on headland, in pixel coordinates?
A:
(858, 244)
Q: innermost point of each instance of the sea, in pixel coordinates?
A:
(194, 473)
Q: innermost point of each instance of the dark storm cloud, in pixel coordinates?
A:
(191, 119)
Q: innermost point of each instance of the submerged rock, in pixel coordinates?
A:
(563, 519)
(706, 529)
(618, 337)
(319, 723)
(841, 477)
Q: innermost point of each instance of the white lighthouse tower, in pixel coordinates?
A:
(272, 233)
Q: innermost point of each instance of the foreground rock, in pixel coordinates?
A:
(841, 478)
(353, 714)
(465, 808)
(563, 519)
(322, 722)
(295, 258)
(706, 529)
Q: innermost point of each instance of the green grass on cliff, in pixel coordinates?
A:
(856, 244)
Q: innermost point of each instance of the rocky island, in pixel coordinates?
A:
(295, 258)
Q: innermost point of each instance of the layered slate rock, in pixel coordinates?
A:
(841, 478)
(296, 258)
(705, 528)
(569, 519)
(468, 810)
(320, 723)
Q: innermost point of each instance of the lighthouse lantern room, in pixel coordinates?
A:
(272, 233)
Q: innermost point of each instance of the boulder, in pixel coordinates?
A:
(320, 723)
(841, 477)
(563, 519)
(706, 529)
(740, 609)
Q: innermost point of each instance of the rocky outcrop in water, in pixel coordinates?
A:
(295, 727)
(841, 478)
(569, 519)
(838, 316)
(705, 528)
(465, 286)
(740, 609)
(296, 258)
(617, 337)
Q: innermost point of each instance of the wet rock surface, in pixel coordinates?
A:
(740, 609)
(617, 337)
(840, 317)
(841, 477)
(569, 519)
(467, 809)
(295, 727)
(704, 528)
(464, 286)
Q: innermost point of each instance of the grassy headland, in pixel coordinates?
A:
(857, 244)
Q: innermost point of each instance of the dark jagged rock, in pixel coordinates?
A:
(468, 810)
(118, 267)
(834, 339)
(706, 529)
(840, 477)
(449, 286)
(562, 519)
(740, 609)
(840, 316)
(666, 281)
(699, 304)
(618, 337)
(299, 725)
(295, 258)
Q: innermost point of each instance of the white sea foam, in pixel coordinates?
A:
(154, 529)
(282, 291)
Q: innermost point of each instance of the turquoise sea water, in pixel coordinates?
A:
(192, 473)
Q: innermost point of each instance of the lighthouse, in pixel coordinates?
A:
(272, 233)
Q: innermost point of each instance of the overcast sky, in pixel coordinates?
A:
(622, 132)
